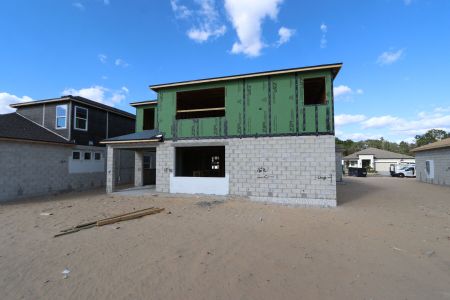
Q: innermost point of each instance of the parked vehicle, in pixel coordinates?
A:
(357, 172)
(408, 171)
(395, 168)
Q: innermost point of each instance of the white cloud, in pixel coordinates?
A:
(399, 128)
(6, 99)
(285, 35)
(358, 136)
(383, 121)
(390, 57)
(78, 5)
(345, 92)
(181, 11)
(204, 21)
(203, 34)
(100, 94)
(103, 58)
(121, 63)
(344, 119)
(323, 40)
(342, 90)
(247, 17)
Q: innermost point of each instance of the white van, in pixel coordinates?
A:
(407, 171)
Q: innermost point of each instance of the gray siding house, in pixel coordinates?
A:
(52, 146)
(433, 162)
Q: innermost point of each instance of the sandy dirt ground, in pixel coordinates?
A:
(388, 239)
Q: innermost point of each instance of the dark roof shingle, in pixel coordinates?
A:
(378, 153)
(14, 126)
(445, 143)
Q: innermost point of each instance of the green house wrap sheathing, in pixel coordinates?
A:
(259, 106)
(140, 116)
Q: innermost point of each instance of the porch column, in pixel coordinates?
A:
(110, 170)
(138, 168)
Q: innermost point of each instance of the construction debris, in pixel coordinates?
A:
(210, 203)
(123, 217)
(65, 273)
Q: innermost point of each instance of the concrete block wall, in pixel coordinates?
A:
(441, 158)
(292, 170)
(33, 169)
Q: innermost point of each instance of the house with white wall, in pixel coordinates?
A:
(377, 159)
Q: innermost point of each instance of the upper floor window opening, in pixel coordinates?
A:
(203, 103)
(314, 91)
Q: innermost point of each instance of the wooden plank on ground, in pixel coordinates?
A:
(123, 217)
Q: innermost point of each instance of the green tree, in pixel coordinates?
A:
(431, 136)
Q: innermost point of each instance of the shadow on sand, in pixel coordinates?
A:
(353, 189)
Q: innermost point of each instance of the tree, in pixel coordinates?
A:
(431, 136)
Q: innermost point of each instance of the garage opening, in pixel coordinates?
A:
(200, 161)
(204, 103)
(314, 91)
(149, 119)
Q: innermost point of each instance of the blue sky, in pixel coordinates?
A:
(395, 52)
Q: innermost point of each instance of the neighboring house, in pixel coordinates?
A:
(267, 135)
(51, 146)
(377, 159)
(433, 162)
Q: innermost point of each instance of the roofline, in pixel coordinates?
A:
(130, 141)
(74, 99)
(36, 141)
(148, 102)
(424, 148)
(247, 75)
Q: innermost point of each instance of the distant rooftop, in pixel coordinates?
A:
(378, 153)
(78, 99)
(445, 143)
(334, 67)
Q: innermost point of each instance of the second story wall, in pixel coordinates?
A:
(261, 106)
(93, 125)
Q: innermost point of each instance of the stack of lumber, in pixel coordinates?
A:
(123, 217)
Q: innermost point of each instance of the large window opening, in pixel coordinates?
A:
(200, 161)
(314, 91)
(201, 103)
(149, 119)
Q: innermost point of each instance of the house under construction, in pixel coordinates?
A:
(268, 136)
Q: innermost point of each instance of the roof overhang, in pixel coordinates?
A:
(130, 141)
(149, 102)
(333, 67)
(146, 136)
(35, 141)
